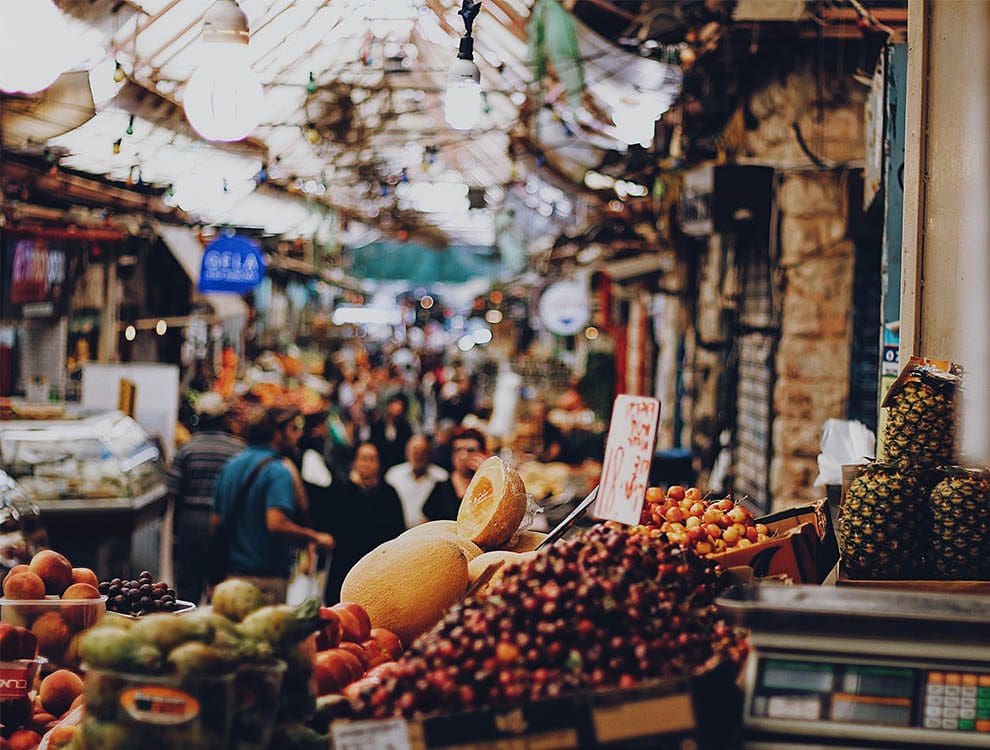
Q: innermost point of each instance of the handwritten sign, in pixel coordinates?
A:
(389, 734)
(632, 436)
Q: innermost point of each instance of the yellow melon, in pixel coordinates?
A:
(407, 585)
(493, 505)
(526, 541)
(444, 529)
(480, 564)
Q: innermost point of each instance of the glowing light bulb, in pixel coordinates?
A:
(130, 333)
(34, 45)
(223, 98)
(462, 102)
(161, 327)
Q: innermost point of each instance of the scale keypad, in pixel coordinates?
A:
(958, 701)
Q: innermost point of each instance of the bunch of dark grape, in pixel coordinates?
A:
(612, 607)
(139, 597)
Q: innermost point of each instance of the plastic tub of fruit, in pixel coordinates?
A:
(258, 689)
(56, 623)
(18, 686)
(165, 712)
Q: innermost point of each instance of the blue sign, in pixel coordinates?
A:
(233, 264)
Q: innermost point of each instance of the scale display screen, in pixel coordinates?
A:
(877, 695)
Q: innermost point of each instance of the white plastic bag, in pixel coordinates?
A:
(844, 442)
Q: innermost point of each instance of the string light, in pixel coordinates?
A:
(462, 101)
(223, 98)
(311, 86)
(119, 75)
(130, 126)
(116, 146)
(313, 136)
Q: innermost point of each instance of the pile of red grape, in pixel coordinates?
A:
(611, 607)
(141, 596)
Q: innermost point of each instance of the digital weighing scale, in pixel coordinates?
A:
(833, 667)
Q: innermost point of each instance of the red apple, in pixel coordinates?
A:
(388, 641)
(374, 654)
(363, 621)
(330, 628)
(382, 671)
(358, 651)
(335, 669)
(353, 690)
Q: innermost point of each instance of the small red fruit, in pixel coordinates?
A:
(354, 620)
(358, 651)
(388, 641)
(676, 492)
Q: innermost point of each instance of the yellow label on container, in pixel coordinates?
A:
(153, 704)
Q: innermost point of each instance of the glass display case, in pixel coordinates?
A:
(21, 531)
(105, 457)
(99, 485)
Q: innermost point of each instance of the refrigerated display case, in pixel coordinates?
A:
(99, 485)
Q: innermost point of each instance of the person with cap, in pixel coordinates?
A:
(191, 480)
(256, 502)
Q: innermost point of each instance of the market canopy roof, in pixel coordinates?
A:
(370, 135)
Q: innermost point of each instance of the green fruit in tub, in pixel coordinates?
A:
(236, 599)
(198, 660)
(108, 735)
(110, 647)
(282, 625)
(166, 631)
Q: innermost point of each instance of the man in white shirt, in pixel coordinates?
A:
(415, 479)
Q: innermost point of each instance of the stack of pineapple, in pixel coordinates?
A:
(915, 515)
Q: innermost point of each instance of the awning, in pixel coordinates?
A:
(187, 250)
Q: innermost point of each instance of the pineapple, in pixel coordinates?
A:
(880, 523)
(921, 421)
(959, 508)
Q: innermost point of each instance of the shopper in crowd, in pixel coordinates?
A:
(191, 480)
(468, 451)
(265, 524)
(441, 454)
(365, 512)
(415, 479)
(553, 442)
(392, 431)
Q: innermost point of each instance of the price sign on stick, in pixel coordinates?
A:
(632, 436)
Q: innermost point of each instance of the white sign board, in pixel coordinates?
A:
(388, 734)
(564, 308)
(157, 391)
(632, 436)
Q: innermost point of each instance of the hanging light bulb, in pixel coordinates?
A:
(462, 101)
(223, 98)
(119, 74)
(34, 42)
(130, 126)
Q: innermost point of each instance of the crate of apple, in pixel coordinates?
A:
(710, 528)
(349, 649)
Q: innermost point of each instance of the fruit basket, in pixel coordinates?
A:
(56, 623)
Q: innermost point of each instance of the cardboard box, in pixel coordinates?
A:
(701, 711)
(981, 588)
(803, 546)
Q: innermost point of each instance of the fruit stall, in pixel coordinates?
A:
(699, 626)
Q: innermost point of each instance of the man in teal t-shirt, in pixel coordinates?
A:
(262, 534)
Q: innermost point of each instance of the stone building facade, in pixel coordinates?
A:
(812, 134)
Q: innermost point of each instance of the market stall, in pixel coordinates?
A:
(99, 486)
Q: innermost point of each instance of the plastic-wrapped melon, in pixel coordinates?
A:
(444, 530)
(493, 506)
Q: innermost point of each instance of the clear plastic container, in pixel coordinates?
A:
(18, 687)
(152, 712)
(258, 690)
(56, 623)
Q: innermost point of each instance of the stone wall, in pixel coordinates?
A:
(815, 265)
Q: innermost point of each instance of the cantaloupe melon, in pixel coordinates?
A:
(493, 506)
(480, 564)
(407, 585)
(525, 541)
(444, 529)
